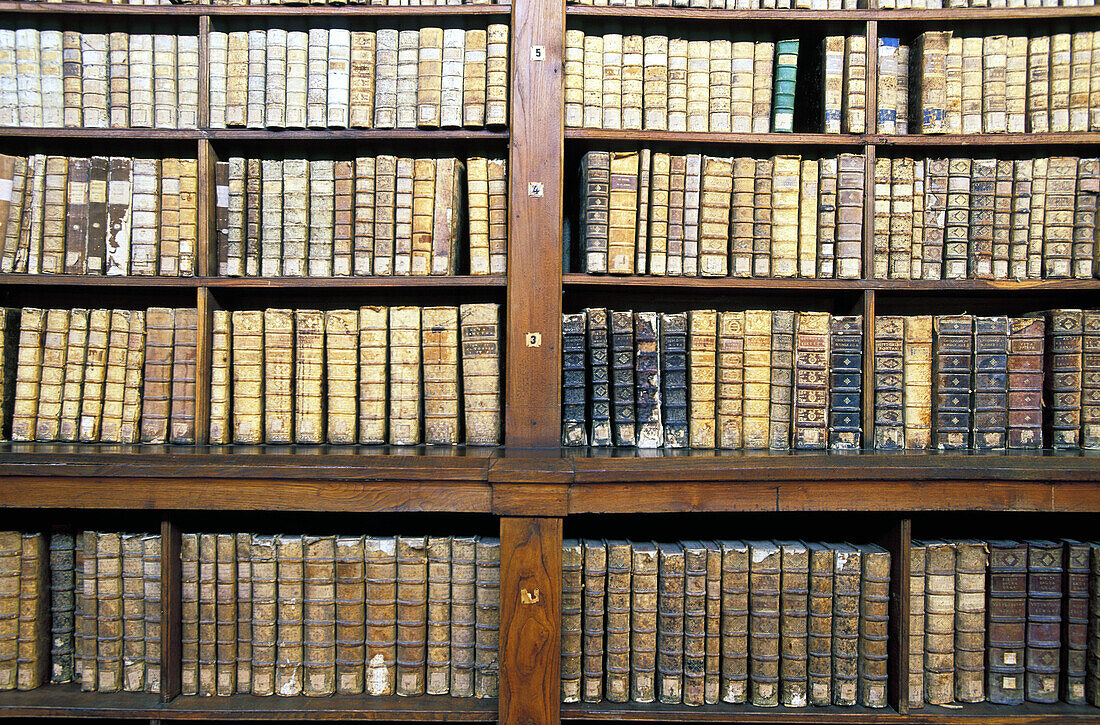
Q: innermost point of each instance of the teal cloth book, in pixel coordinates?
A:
(786, 70)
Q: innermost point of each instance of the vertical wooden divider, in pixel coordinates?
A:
(170, 611)
(537, 142)
(868, 369)
(206, 250)
(530, 621)
(901, 537)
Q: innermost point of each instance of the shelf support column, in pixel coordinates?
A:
(533, 416)
(530, 621)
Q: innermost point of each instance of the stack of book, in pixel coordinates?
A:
(844, 84)
(700, 622)
(985, 218)
(333, 77)
(343, 2)
(99, 215)
(999, 84)
(89, 608)
(957, 382)
(1004, 622)
(372, 375)
(381, 215)
(50, 78)
(348, 615)
(706, 379)
(663, 82)
(90, 376)
(695, 215)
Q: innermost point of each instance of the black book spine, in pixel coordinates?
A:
(573, 380)
(1044, 620)
(990, 419)
(674, 378)
(599, 378)
(846, 383)
(953, 362)
(622, 377)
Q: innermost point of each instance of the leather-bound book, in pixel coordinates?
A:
(617, 622)
(622, 212)
(446, 216)
(319, 615)
(917, 382)
(623, 416)
(970, 600)
(248, 375)
(184, 354)
(695, 611)
(289, 645)
(730, 377)
(421, 217)
(983, 185)
(595, 209)
(496, 75)
(225, 614)
(674, 390)
(574, 384)
(9, 353)
(713, 665)
(1063, 380)
(32, 656)
(243, 597)
(670, 623)
(874, 616)
(762, 219)
(438, 672)
(76, 348)
(208, 618)
(133, 614)
(702, 378)
(265, 616)
(349, 595)
(819, 625)
(62, 602)
(11, 547)
(1025, 382)
(643, 622)
(188, 233)
(599, 377)
(28, 374)
(381, 614)
(764, 620)
(594, 619)
(845, 382)
(808, 201)
(786, 172)
(221, 397)
(1044, 621)
(373, 360)
(1092, 683)
(794, 623)
(474, 80)
(321, 198)
(169, 220)
(487, 640)
(481, 397)
(782, 379)
(918, 554)
(109, 612)
(742, 212)
(846, 608)
(734, 679)
(439, 347)
(96, 360)
(572, 586)
(757, 378)
(160, 325)
(86, 644)
(952, 368)
(1090, 380)
(1006, 621)
(54, 348)
(990, 397)
(826, 217)
(412, 607)
(189, 613)
(648, 387)
(889, 383)
(463, 616)
(341, 374)
(151, 555)
(811, 383)
(849, 220)
(939, 622)
(1075, 614)
(1061, 187)
(714, 216)
(97, 216)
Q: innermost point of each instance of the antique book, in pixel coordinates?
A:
(720, 85)
(1075, 562)
(349, 599)
(697, 75)
(846, 623)
(498, 214)
(621, 214)
(405, 397)
(939, 622)
(889, 383)
(363, 201)
(338, 77)
(702, 380)
(782, 378)
(187, 80)
(617, 621)
(54, 348)
(757, 378)
(109, 634)
(1006, 603)
(438, 617)
(247, 350)
(574, 380)
(1016, 84)
(784, 216)
(887, 112)
(1090, 379)
(297, 79)
(952, 367)
(487, 639)
(447, 219)
(648, 387)
(990, 391)
(677, 84)
(145, 205)
(474, 78)
(135, 372)
(1084, 217)
(811, 386)
(915, 646)
(712, 665)
(845, 382)
(96, 240)
(1064, 377)
(385, 78)
(694, 642)
(764, 61)
(76, 349)
(631, 79)
(294, 233)
(169, 220)
(1025, 382)
(594, 620)
(220, 379)
(594, 226)
(849, 229)
(439, 348)
(794, 623)
(234, 205)
(670, 623)
(762, 219)
(902, 107)
(832, 67)
(32, 652)
(1092, 684)
(225, 614)
(674, 384)
(207, 615)
(317, 76)
(290, 641)
(764, 623)
(935, 218)
(981, 222)
(819, 624)
(572, 566)
(28, 374)
(623, 417)
(598, 384)
(320, 222)
(729, 378)
(402, 228)
(87, 613)
(917, 382)
(279, 376)
(264, 597)
(242, 631)
(477, 202)
(76, 220)
(239, 60)
(361, 79)
(880, 250)
(11, 547)
(1002, 218)
(1044, 621)
(62, 604)
(481, 372)
(95, 361)
(165, 81)
(660, 181)
(643, 621)
(900, 252)
(181, 428)
(957, 227)
(655, 72)
(674, 253)
(271, 222)
(94, 49)
(188, 231)
(218, 65)
(854, 104)
(1057, 248)
(807, 219)
(453, 58)
(916, 247)
(971, 558)
(385, 186)
(463, 616)
(341, 374)
(874, 617)
(421, 210)
(1060, 81)
(496, 75)
(380, 636)
(119, 215)
(319, 615)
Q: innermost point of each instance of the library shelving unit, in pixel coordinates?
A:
(530, 488)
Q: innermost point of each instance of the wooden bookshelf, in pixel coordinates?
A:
(533, 490)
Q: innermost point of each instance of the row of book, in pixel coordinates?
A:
(100, 215)
(348, 615)
(1004, 621)
(80, 606)
(985, 218)
(700, 622)
(334, 77)
(372, 375)
(662, 82)
(702, 379)
(52, 78)
(996, 83)
(101, 375)
(834, 4)
(340, 2)
(651, 212)
(383, 215)
(960, 381)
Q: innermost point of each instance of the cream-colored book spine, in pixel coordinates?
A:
(698, 85)
(474, 78)
(1016, 84)
(826, 218)
(573, 74)
(655, 82)
(54, 347)
(296, 216)
(1080, 75)
(1021, 218)
(972, 87)
(403, 201)
(917, 382)
(632, 81)
(720, 84)
(994, 84)
(279, 392)
(343, 220)
(95, 96)
(165, 82)
(218, 68)
(693, 173)
(52, 260)
(808, 203)
(480, 330)
(72, 74)
(622, 212)
(256, 103)
(1094, 84)
(145, 203)
(422, 216)
(677, 84)
(953, 86)
(757, 379)
(271, 229)
(762, 219)
(338, 77)
(320, 220)
(363, 225)
(1038, 84)
(114, 379)
(785, 221)
(373, 359)
(854, 100)
(477, 203)
(52, 75)
(342, 380)
(916, 258)
(385, 78)
(429, 77)
(28, 375)
(730, 379)
(28, 80)
(361, 79)
(248, 375)
(742, 211)
(741, 85)
(221, 399)
(9, 84)
(309, 375)
(446, 216)
(496, 75)
(135, 378)
(235, 207)
(385, 184)
(405, 389)
(887, 122)
(169, 217)
(317, 78)
(450, 95)
(1060, 70)
(498, 216)
(702, 378)
(763, 75)
(1037, 228)
(187, 81)
(714, 216)
(188, 218)
(439, 348)
(900, 222)
(849, 222)
(76, 348)
(275, 70)
(612, 85)
(903, 89)
(658, 213)
(1002, 218)
(832, 84)
(297, 78)
(408, 46)
(237, 77)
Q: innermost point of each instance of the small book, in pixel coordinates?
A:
(221, 377)
(939, 622)
(854, 103)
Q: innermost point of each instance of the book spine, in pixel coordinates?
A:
(221, 377)
(763, 216)
(917, 382)
(827, 218)
(670, 623)
(487, 618)
(381, 615)
(846, 617)
(951, 383)
(730, 376)
(854, 103)
(623, 414)
(1075, 614)
(811, 386)
(373, 345)
(1063, 380)
(648, 385)
(225, 614)
(185, 346)
(784, 216)
(849, 227)
(247, 350)
(439, 346)
(1025, 383)
(970, 625)
(279, 374)
(733, 681)
(915, 649)
(900, 252)
(1084, 217)
(1002, 218)
(1090, 380)
(793, 624)
(889, 383)
(1044, 621)
(990, 382)
(289, 663)
(480, 325)
(764, 623)
(808, 204)
(574, 364)
(874, 601)
(832, 49)
(319, 616)
(572, 586)
(702, 362)
(845, 382)
(342, 382)
(617, 621)
(320, 230)
(73, 375)
(463, 616)
(622, 214)
(674, 389)
(349, 593)
(598, 378)
(264, 600)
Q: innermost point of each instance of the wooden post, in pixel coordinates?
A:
(530, 621)
(170, 611)
(533, 375)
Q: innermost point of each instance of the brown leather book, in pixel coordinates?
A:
(874, 616)
(819, 626)
(1090, 380)
(76, 217)
(464, 616)
(62, 601)
(572, 567)
(1005, 633)
(939, 622)
(1075, 615)
(487, 621)
(189, 617)
(764, 617)
(32, 657)
(243, 595)
(133, 614)
(794, 623)
(350, 611)
(225, 614)
(373, 360)
(265, 616)
(108, 578)
(889, 390)
(695, 613)
(1044, 620)
(811, 381)
(11, 547)
(319, 615)
(990, 397)
(782, 379)
(343, 215)
(160, 327)
(670, 623)
(594, 621)
(151, 555)
(96, 254)
(184, 355)
(1063, 380)
(846, 607)
(381, 614)
(713, 662)
(915, 647)
(733, 682)
(289, 643)
(617, 621)
(970, 568)
(1025, 382)
(438, 673)
(952, 369)
(208, 614)
(643, 621)
(135, 375)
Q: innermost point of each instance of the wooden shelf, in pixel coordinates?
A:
(779, 16)
(95, 280)
(70, 701)
(682, 137)
(90, 8)
(794, 284)
(352, 282)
